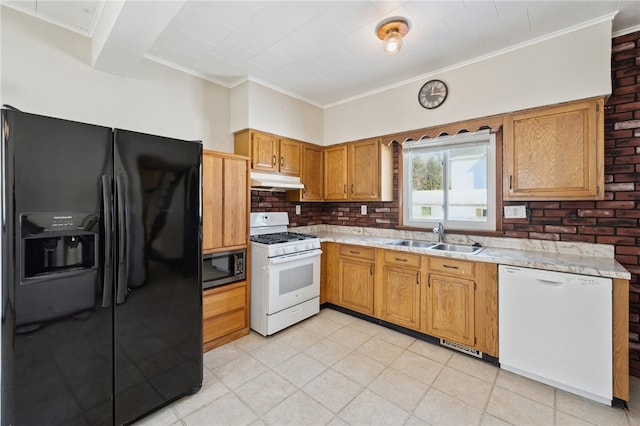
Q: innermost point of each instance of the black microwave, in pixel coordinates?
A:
(223, 268)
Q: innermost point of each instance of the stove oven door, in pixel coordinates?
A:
(293, 279)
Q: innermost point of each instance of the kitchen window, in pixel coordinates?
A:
(450, 180)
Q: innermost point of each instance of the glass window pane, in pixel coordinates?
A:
(427, 195)
(450, 181)
(467, 184)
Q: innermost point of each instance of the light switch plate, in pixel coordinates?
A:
(297, 209)
(515, 212)
(363, 209)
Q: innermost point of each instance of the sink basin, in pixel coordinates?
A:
(456, 248)
(412, 243)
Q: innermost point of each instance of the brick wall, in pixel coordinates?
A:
(622, 174)
(614, 220)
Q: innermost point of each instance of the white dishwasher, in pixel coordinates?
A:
(556, 328)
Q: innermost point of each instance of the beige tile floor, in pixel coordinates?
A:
(339, 370)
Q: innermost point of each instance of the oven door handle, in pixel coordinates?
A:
(294, 256)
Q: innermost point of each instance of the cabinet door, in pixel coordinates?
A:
(235, 203)
(211, 202)
(401, 296)
(356, 285)
(364, 170)
(555, 153)
(450, 309)
(264, 152)
(312, 173)
(335, 173)
(224, 310)
(289, 161)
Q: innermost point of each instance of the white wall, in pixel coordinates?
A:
(568, 67)
(259, 107)
(45, 70)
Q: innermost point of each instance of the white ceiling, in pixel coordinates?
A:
(324, 52)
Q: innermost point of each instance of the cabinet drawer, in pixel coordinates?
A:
(359, 252)
(451, 266)
(213, 328)
(219, 300)
(400, 258)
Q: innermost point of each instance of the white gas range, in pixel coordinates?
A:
(285, 273)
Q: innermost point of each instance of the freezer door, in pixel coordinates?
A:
(158, 322)
(57, 318)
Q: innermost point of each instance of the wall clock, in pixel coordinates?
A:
(433, 94)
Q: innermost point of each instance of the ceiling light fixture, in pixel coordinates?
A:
(391, 31)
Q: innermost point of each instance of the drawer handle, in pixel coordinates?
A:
(401, 260)
(352, 188)
(345, 188)
(281, 161)
(354, 252)
(274, 161)
(451, 267)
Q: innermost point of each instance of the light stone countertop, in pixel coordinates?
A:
(576, 258)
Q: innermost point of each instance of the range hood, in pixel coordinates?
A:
(274, 182)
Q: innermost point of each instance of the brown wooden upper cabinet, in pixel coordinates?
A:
(269, 153)
(311, 175)
(359, 171)
(555, 153)
(225, 201)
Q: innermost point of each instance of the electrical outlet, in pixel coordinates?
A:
(297, 209)
(363, 209)
(515, 212)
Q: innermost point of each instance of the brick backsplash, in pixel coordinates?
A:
(614, 220)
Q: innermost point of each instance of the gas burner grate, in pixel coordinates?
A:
(280, 237)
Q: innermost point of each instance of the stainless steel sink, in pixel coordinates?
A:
(412, 243)
(456, 248)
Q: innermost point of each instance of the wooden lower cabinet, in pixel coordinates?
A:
(453, 299)
(449, 309)
(398, 294)
(225, 312)
(355, 278)
(460, 303)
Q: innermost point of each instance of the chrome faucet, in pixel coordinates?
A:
(440, 231)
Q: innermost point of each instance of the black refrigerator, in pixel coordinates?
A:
(101, 272)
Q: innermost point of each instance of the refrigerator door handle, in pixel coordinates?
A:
(107, 286)
(121, 289)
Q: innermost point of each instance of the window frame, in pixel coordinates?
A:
(485, 137)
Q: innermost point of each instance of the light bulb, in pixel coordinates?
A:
(392, 42)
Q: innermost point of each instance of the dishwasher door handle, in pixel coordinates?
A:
(550, 282)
